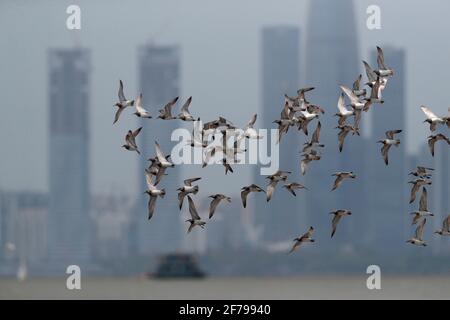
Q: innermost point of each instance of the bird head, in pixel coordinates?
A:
(438, 232)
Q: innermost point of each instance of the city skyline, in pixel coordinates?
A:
(85, 161)
(190, 35)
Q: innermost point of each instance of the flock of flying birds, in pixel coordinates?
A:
(297, 112)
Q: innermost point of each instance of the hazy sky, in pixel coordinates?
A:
(220, 68)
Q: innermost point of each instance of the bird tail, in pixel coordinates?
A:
(132, 103)
(163, 193)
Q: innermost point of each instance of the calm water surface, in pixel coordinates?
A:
(303, 287)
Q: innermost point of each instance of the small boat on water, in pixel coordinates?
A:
(178, 266)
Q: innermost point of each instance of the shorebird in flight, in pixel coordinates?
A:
(423, 208)
(212, 126)
(153, 193)
(156, 169)
(357, 91)
(383, 70)
(291, 102)
(301, 94)
(291, 187)
(305, 118)
(314, 143)
(162, 159)
(314, 108)
(287, 119)
(307, 237)
(372, 77)
(312, 155)
(283, 127)
(356, 104)
(416, 186)
(227, 166)
(123, 102)
(216, 199)
(166, 112)
(338, 214)
(249, 131)
(417, 240)
(195, 218)
(246, 190)
(340, 177)
(435, 138)
(185, 115)
(422, 172)
(343, 113)
(445, 231)
(375, 95)
(130, 140)
(274, 179)
(186, 189)
(279, 175)
(388, 142)
(345, 130)
(433, 119)
(140, 111)
(197, 138)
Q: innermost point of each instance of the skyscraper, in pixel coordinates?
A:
(331, 59)
(280, 75)
(159, 78)
(69, 227)
(388, 186)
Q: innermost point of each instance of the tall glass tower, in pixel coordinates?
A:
(159, 78)
(280, 58)
(331, 59)
(68, 91)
